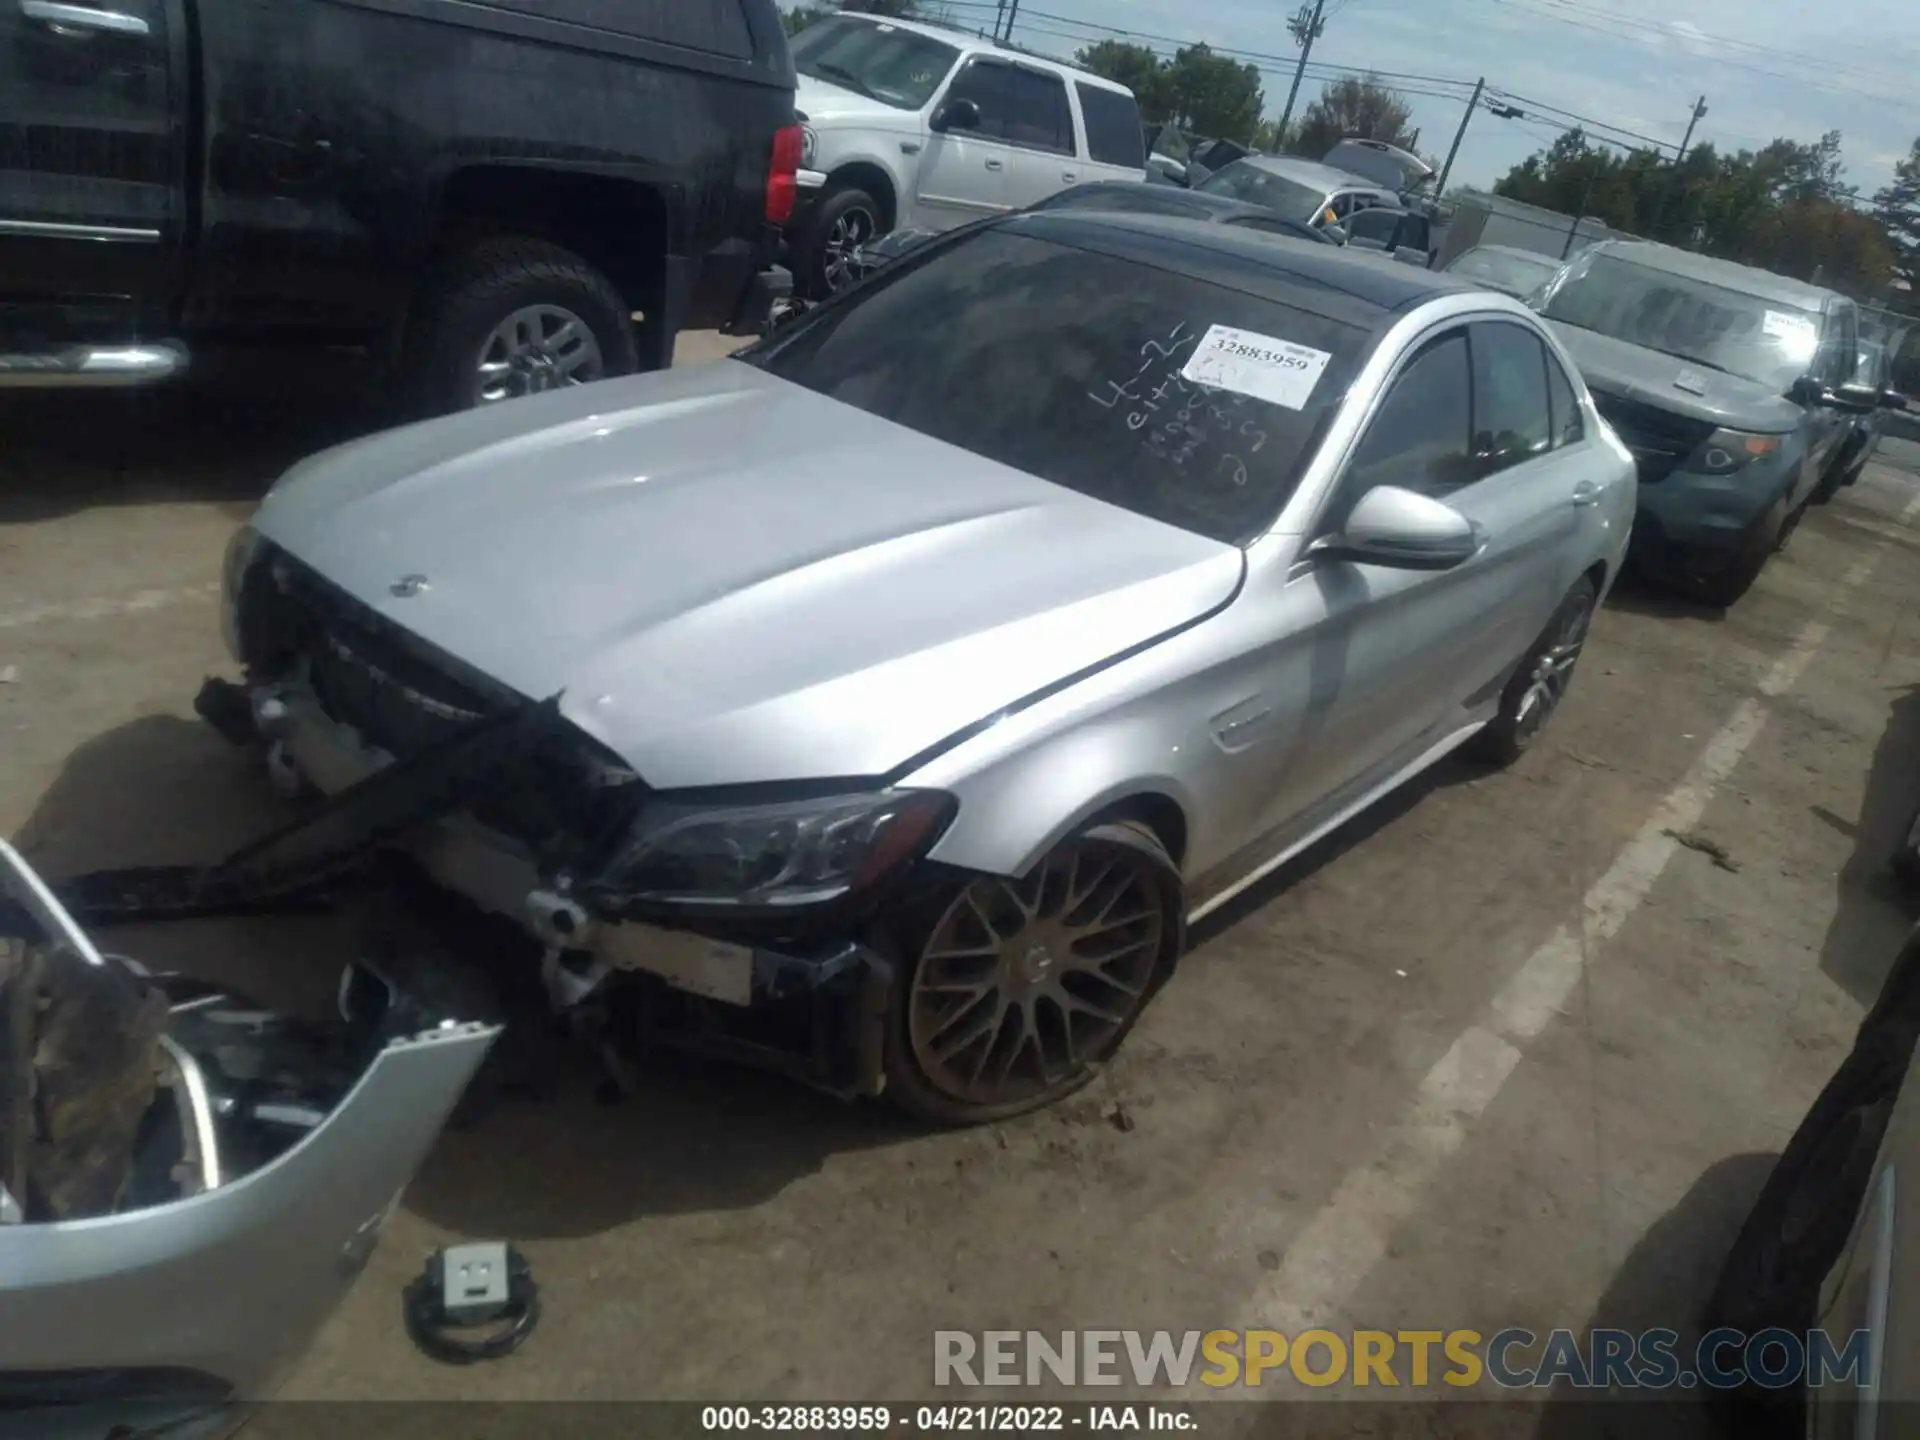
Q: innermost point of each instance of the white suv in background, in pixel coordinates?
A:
(915, 126)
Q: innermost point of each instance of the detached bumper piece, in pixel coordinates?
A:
(193, 1182)
(94, 367)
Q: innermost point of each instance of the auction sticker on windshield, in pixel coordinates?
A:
(1783, 325)
(1249, 363)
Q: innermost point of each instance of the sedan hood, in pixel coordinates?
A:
(1637, 373)
(825, 103)
(732, 579)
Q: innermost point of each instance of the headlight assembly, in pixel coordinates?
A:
(775, 856)
(1726, 451)
(809, 142)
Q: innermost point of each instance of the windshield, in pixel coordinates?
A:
(1244, 180)
(1765, 341)
(883, 62)
(1872, 357)
(1074, 366)
(1516, 274)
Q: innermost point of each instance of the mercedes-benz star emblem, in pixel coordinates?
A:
(407, 586)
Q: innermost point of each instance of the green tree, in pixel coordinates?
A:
(1896, 206)
(1134, 66)
(1210, 95)
(1358, 107)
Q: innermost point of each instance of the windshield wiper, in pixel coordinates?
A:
(827, 70)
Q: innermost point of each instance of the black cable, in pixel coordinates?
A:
(429, 1326)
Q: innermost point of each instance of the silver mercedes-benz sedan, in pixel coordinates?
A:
(917, 676)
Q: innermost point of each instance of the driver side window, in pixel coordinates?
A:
(1420, 438)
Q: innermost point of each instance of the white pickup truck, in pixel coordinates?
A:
(913, 125)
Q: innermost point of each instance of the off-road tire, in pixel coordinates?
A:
(908, 1085)
(477, 288)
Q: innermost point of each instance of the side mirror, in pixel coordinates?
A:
(955, 114)
(1404, 530)
(1856, 399)
(1892, 400)
(1335, 233)
(1411, 255)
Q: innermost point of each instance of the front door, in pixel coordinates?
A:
(90, 162)
(964, 173)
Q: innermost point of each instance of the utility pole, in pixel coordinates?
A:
(1440, 188)
(1013, 14)
(999, 18)
(1666, 201)
(1306, 29)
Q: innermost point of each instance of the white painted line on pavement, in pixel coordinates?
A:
(104, 608)
(1334, 1252)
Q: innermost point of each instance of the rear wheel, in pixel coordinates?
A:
(513, 317)
(844, 220)
(1019, 988)
(1541, 681)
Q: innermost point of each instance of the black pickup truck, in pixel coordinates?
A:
(494, 196)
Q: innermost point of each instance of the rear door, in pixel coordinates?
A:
(92, 95)
(963, 173)
(1040, 130)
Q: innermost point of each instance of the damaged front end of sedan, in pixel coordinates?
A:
(740, 923)
(189, 1183)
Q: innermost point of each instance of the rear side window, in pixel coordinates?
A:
(1037, 115)
(1113, 127)
(718, 27)
(1418, 439)
(1511, 423)
(1072, 365)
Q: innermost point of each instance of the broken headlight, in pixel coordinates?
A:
(775, 856)
(242, 551)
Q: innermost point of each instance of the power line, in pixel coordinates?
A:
(1805, 74)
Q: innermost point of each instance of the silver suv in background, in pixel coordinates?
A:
(919, 127)
(1357, 210)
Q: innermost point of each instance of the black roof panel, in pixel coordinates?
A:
(1366, 288)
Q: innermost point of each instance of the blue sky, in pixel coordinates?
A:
(1638, 64)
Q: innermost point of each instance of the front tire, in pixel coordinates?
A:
(512, 317)
(1757, 546)
(1541, 680)
(1016, 990)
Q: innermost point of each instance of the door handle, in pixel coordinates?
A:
(995, 165)
(1070, 178)
(83, 19)
(1586, 493)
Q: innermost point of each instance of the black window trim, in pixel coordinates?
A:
(1074, 123)
(1415, 347)
(1411, 351)
(1546, 379)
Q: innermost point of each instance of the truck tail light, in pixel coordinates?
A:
(782, 188)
